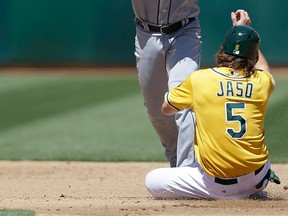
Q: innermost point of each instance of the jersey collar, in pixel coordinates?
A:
(229, 72)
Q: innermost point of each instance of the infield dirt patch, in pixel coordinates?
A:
(102, 189)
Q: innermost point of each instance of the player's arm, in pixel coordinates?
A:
(179, 98)
(168, 109)
(262, 63)
(240, 17)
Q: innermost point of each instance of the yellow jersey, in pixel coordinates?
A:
(230, 110)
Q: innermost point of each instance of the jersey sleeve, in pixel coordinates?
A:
(181, 97)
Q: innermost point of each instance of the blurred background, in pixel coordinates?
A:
(57, 111)
(94, 32)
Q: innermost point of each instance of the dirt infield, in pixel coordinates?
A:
(87, 188)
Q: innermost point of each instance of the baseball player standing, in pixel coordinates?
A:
(231, 154)
(167, 50)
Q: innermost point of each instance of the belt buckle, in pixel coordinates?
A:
(163, 28)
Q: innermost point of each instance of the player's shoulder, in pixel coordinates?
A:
(202, 72)
(264, 74)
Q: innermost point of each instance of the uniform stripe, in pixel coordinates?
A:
(158, 12)
(167, 99)
(168, 18)
(193, 117)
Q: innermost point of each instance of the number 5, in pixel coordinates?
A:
(231, 117)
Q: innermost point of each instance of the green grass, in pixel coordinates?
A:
(276, 123)
(75, 117)
(5, 212)
(96, 118)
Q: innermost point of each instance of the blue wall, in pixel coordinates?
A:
(94, 32)
(268, 17)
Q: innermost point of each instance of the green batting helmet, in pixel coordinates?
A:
(242, 41)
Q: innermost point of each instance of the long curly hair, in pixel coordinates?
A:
(227, 60)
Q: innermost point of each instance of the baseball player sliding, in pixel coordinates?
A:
(229, 102)
(167, 50)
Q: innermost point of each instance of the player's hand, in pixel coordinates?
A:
(240, 17)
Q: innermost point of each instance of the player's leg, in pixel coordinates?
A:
(153, 82)
(183, 59)
(180, 182)
(192, 182)
(185, 144)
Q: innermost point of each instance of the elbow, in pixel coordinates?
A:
(167, 110)
(164, 109)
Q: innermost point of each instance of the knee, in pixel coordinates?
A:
(155, 184)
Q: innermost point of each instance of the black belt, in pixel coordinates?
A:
(163, 29)
(234, 180)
